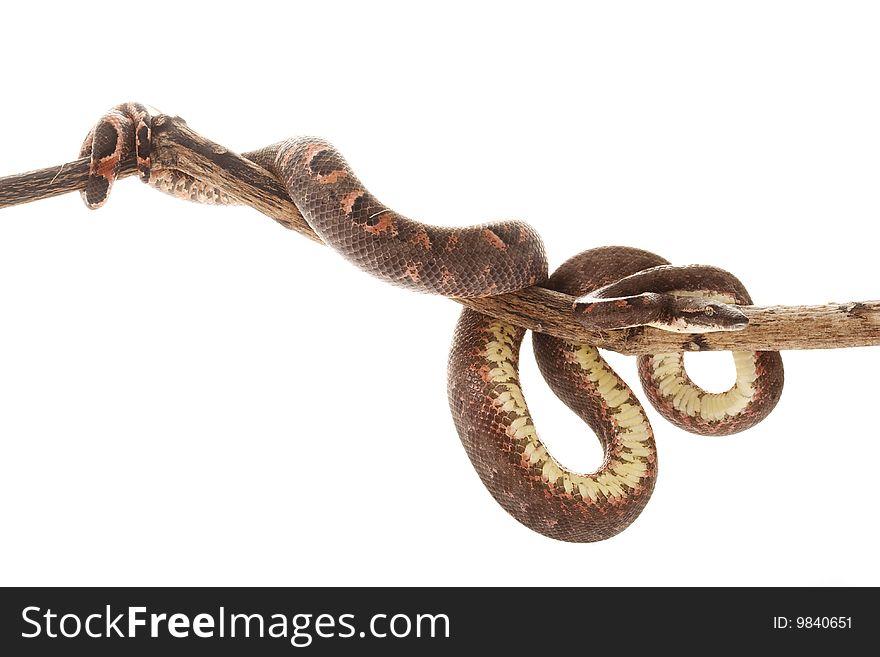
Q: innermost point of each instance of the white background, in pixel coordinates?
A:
(193, 395)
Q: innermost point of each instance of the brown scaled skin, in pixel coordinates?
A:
(460, 262)
(488, 434)
(488, 430)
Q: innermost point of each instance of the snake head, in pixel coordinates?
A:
(695, 315)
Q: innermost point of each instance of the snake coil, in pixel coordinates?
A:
(616, 287)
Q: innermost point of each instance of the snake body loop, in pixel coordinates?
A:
(617, 287)
(124, 129)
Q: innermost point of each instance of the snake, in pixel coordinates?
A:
(614, 287)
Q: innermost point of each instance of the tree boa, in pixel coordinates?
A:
(616, 287)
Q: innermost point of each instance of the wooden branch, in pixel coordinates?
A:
(51, 181)
(175, 146)
(771, 328)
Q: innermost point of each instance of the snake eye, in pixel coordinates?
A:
(709, 310)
